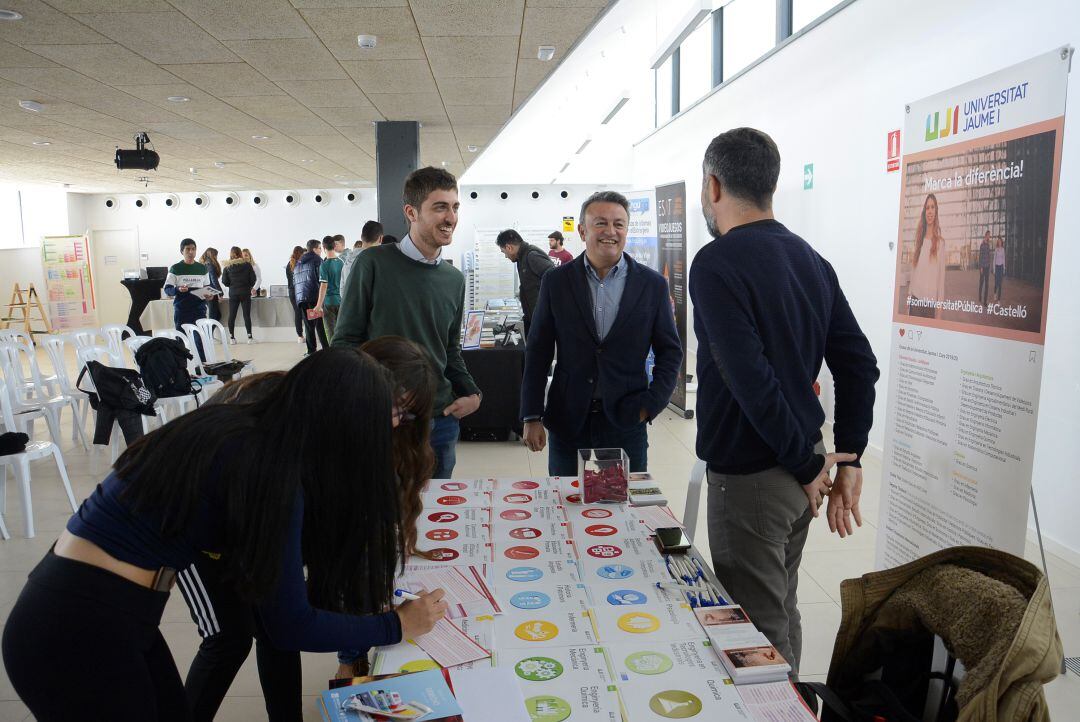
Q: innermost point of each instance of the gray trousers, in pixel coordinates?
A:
(757, 529)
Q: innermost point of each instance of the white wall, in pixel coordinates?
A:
(270, 232)
(45, 213)
(830, 98)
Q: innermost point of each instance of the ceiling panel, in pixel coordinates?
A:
(391, 76)
(225, 80)
(289, 59)
(471, 17)
(290, 70)
(161, 37)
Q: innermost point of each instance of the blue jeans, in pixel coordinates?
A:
(598, 433)
(444, 435)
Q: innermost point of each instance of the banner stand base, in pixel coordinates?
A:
(684, 413)
(1042, 552)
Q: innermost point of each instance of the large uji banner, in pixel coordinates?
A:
(980, 180)
(671, 236)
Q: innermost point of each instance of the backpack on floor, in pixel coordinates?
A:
(163, 363)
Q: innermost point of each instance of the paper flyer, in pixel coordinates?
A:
(407, 656)
(435, 531)
(597, 521)
(449, 645)
(455, 485)
(526, 551)
(663, 680)
(439, 499)
(775, 702)
(544, 628)
(633, 552)
(424, 695)
(656, 517)
(488, 694)
(656, 621)
(638, 569)
(535, 597)
(511, 529)
(515, 484)
(455, 552)
(467, 591)
(561, 683)
(630, 593)
(541, 496)
(534, 514)
(509, 577)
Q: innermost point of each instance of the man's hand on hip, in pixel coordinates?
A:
(535, 435)
(818, 489)
(463, 407)
(844, 501)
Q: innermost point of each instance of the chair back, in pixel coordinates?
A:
(101, 354)
(192, 331)
(84, 337)
(213, 333)
(14, 335)
(11, 363)
(133, 344)
(18, 360)
(56, 346)
(6, 413)
(114, 333)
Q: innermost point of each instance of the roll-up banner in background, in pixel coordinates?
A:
(671, 238)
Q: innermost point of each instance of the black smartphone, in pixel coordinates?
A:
(671, 540)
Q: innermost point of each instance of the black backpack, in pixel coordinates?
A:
(117, 388)
(163, 363)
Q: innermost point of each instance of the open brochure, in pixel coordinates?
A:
(423, 695)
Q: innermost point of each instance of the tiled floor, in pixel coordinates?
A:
(827, 561)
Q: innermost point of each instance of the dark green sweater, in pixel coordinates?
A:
(389, 294)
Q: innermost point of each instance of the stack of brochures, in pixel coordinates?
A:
(746, 653)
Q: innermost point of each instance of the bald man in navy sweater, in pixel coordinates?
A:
(767, 311)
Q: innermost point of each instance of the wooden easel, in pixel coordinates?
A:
(25, 306)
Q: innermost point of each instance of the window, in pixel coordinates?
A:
(11, 230)
(663, 92)
(695, 65)
(749, 32)
(805, 12)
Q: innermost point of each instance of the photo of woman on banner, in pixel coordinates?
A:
(928, 263)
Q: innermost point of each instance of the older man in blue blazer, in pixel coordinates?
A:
(603, 311)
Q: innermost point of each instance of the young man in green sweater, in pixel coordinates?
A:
(405, 289)
(184, 279)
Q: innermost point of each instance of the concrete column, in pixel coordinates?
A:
(397, 154)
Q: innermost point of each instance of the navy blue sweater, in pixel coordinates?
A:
(767, 311)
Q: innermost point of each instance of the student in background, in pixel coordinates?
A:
(185, 277)
(306, 285)
(239, 277)
(371, 235)
(213, 268)
(532, 264)
(258, 288)
(330, 283)
(559, 255)
(271, 497)
(298, 317)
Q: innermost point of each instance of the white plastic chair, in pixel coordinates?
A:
(55, 347)
(103, 355)
(213, 333)
(36, 401)
(193, 332)
(20, 462)
(85, 337)
(193, 367)
(115, 333)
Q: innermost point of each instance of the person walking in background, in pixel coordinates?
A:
(603, 311)
(768, 309)
(531, 264)
(330, 284)
(306, 285)
(182, 280)
(371, 235)
(258, 287)
(408, 290)
(239, 277)
(999, 268)
(298, 317)
(210, 260)
(559, 255)
(986, 260)
(928, 262)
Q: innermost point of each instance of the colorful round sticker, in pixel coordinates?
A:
(443, 517)
(596, 513)
(525, 532)
(515, 515)
(675, 704)
(524, 574)
(521, 553)
(517, 498)
(441, 534)
(615, 571)
(623, 597)
(525, 485)
(648, 663)
(451, 500)
(601, 530)
(530, 600)
(418, 665)
(604, 551)
(574, 498)
(443, 554)
(547, 708)
(536, 631)
(538, 669)
(638, 623)
(454, 486)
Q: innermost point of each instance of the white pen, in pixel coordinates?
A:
(405, 595)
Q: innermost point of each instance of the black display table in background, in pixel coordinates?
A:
(143, 291)
(497, 371)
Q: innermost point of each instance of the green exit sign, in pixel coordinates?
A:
(808, 177)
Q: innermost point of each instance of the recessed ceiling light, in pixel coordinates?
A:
(41, 142)
(260, 137)
(444, 164)
(218, 164)
(9, 15)
(366, 41)
(545, 52)
(307, 160)
(472, 148)
(31, 105)
(178, 99)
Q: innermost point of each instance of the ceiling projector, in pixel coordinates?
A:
(140, 158)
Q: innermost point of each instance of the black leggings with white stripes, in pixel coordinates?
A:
(227, 625)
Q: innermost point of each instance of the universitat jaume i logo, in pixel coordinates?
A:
(980, 112)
